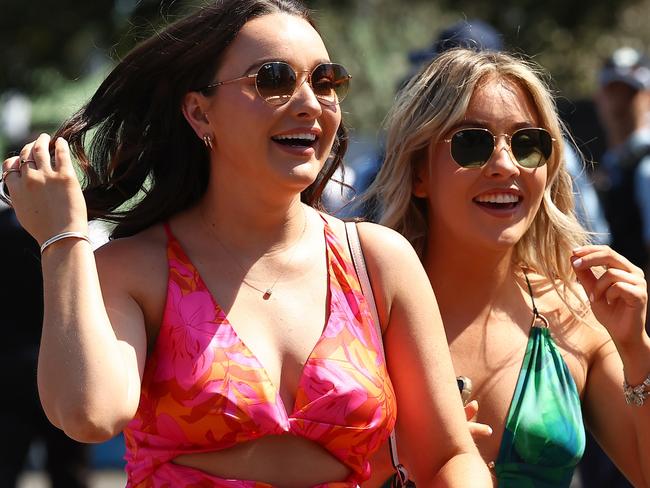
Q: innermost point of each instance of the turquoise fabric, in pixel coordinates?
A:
(544, 436)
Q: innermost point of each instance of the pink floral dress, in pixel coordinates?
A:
(204, 390)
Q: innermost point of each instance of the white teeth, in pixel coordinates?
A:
(305, 136)
(498, 198)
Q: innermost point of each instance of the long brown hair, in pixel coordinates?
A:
(140, 145)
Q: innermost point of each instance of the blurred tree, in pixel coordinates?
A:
(45, 43)
(68, 36)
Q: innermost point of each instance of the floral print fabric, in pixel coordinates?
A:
(204, 390)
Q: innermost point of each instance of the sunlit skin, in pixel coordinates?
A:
(244, 124)
(250, 167)
(452, 191)
(482, 294)
(463, 231)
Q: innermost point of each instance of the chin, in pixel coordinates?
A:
(500, 241)
(307, 171)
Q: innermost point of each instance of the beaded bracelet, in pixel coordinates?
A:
(63, 235)
(636, 394)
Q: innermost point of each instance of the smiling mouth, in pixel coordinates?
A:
(498, 201)
(297, 140)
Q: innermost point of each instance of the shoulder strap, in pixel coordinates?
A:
(168, 231)
(360, 267)
(362, 273)
(536, 315)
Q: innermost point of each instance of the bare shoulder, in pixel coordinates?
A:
(380, 244)
(137, 266)
(394, 268)
(383, 241)
(573, 324)
(130, 255)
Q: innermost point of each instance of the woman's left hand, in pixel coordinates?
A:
(618, 296)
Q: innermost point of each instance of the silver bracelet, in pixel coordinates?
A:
(63, 235)
(636, 394)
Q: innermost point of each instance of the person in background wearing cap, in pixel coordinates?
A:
(623, 103)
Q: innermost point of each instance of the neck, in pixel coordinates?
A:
(253, 225)
(468, 282)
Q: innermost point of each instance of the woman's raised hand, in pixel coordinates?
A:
(45, 193)
(618, 296)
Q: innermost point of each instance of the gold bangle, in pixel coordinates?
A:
(61, 236)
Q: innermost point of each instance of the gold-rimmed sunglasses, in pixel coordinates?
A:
(277, 81)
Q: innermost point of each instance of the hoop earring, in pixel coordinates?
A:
(207, 140)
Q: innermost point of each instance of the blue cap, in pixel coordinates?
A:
(626, 65)
(471, 34)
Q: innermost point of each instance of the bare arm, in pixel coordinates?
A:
(618, 301)
(88, 373)
(434, 439)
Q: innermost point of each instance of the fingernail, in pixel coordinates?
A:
(489, 430)
(591, 297)
(577, 263)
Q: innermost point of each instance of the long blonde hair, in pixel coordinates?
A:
(429, 106)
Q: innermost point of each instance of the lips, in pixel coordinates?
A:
(298, 138)
(498, 200)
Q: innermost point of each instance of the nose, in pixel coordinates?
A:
(304, 99)
(502, 163)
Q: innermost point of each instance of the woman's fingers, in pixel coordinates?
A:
(26, 155)
(632, 294)
(10, 171)
(62, 159)
(610, 278)
(599, 267)
(40, 154)
(604, 256)
(47, 198)
(479, 430)
(471, 409)
(616, 288)
(475, 428)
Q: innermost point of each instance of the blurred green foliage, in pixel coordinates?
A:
(56, 52)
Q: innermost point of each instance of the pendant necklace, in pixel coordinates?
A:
(266, 293)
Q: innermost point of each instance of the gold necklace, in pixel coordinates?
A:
(266, 293)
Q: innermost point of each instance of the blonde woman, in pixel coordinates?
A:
(546, 326)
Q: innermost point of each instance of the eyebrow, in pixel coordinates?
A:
(467, 123)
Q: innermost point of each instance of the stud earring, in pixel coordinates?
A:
(207, 140)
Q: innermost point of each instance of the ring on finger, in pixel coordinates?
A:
(10, 170)
(26, 161)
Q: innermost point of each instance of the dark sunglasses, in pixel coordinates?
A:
(277, 81)
(472, 148)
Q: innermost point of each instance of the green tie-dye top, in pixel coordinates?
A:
(544, 436)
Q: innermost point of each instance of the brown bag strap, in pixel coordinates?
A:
(366, 288)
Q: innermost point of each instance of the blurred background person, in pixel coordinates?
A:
(623, 102)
